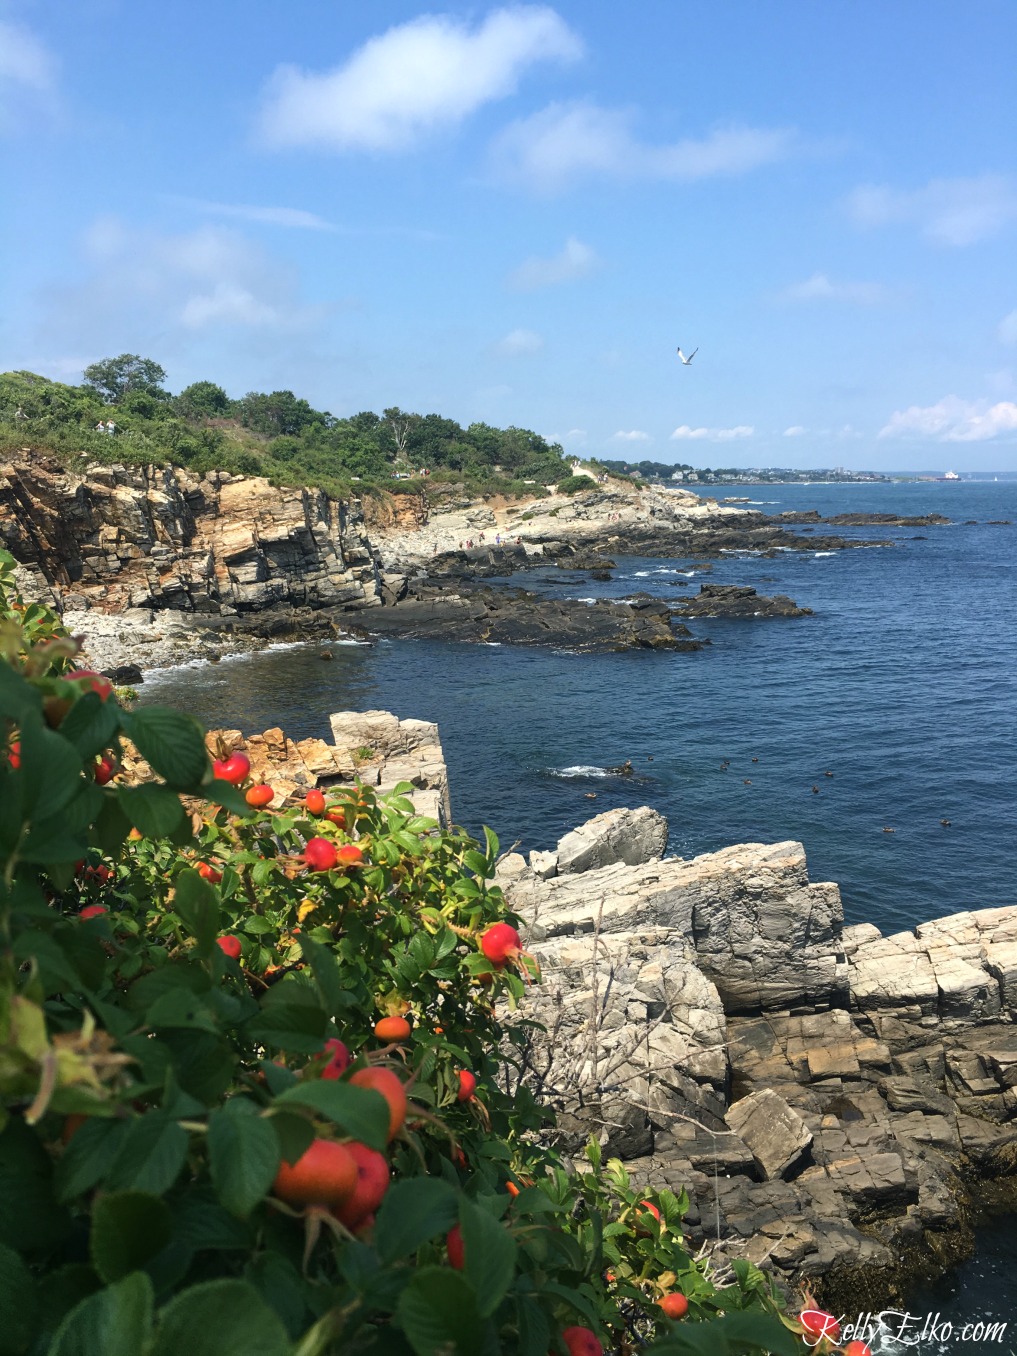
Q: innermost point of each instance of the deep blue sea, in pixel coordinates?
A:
(902, 685)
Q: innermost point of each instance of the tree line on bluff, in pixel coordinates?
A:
(275, 434)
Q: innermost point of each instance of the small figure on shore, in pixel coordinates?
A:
(100, 427)
(111, 428)
(19, 414)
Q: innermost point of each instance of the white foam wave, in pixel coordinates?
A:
(820, 554)
(579, 770)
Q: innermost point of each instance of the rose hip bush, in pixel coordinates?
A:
(213, 1137)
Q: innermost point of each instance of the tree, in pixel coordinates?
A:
(203, 400)
(279, 412)
(114, 377)
(401, 424)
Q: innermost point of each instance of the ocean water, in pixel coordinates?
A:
(901, 685)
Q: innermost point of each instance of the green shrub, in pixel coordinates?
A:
(181, 980)
(574, 484)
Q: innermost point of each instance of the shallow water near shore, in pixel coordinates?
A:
(901, 685)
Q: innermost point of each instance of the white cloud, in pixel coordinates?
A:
(566, 141)
(820, 288)
(575, 260)
(268, 216)
(519, 342)
(1008, 329)
(948, 211)
(27, 72)
(953, 420)
(419, 76)
(713, 435)
(795, 431)
(141, 290)
(633, 436)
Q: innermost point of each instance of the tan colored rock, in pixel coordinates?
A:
(773, 1131)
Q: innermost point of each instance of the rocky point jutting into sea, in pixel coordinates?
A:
(837, 1104)
(184, 566)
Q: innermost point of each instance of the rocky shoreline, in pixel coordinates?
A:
(157, 567)
(840, 1106)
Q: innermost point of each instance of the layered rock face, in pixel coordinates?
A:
(830, 1098)
(157, 537)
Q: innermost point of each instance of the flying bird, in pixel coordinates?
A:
(687, 360)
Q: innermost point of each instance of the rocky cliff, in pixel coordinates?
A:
(123, 537)
(836, 1102)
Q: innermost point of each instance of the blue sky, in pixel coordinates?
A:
(516, 214)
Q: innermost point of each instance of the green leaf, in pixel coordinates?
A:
(89, 1156)
(50, 768)
(489, 1251)
(198, 906)
(154, 811)
(30, 1219)
(179, 1008)
(291, 1017)
(111, 827)
(412, 1212)
(327, 977)
(91, 724)
(534, 1329)
(114, 1322)
(202, 1225)
(294, 1132)
(17, 698)
(172, 743)
(438, 1313)
(151, 1156)
(219, 1318)
(244, 1155)
(203, 1063)
(732, 1335)
(128, 1227)
(18, 1303)
(360, 1113)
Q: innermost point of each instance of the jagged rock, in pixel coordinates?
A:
(733, 600)
(116, 537)
(620, 835)
(776, 1135)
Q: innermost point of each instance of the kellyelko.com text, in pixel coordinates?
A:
(911, 1330)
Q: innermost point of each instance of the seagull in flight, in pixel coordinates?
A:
(687, 360)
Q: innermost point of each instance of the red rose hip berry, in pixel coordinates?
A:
(234, 769)
(582, 1342)
(320, 854)
(501, 943)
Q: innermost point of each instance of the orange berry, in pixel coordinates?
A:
(392, 1029)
